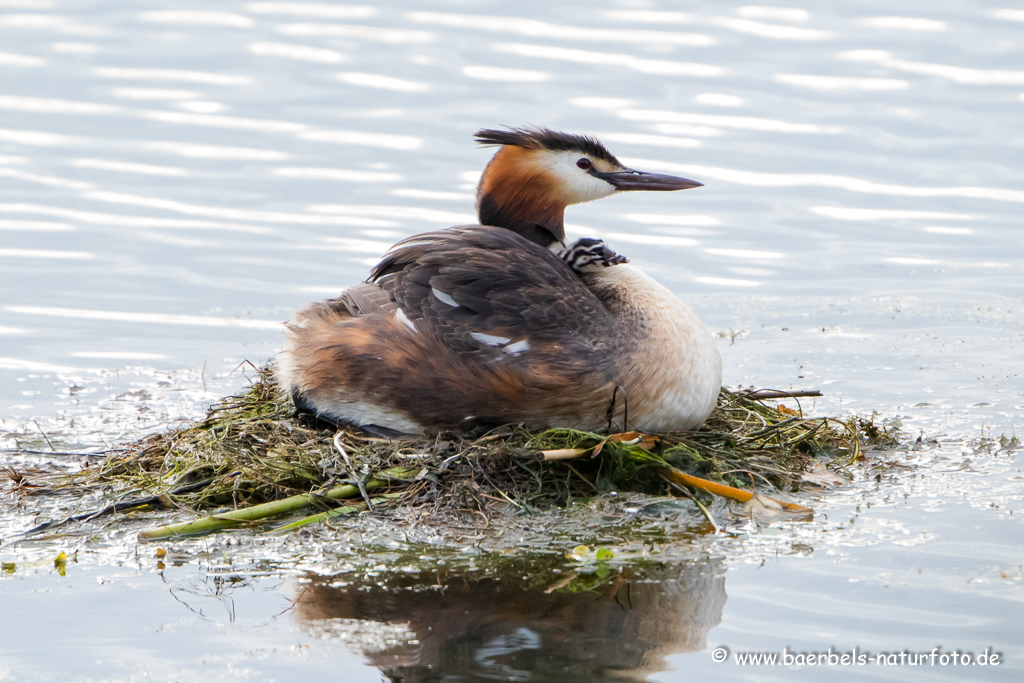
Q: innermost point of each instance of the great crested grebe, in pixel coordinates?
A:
(483, 325)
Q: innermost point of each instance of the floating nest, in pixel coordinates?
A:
(253, 460)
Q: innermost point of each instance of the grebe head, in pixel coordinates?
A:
(538, 172)
(587, 255)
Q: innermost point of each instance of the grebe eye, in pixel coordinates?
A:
(584, 163)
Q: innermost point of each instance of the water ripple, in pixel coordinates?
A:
(52, 181)
(905, 23)
(390, 36)
(539, 29)
(51, 106)
(401, 212)
(300, 52)
(34, 226)
(45, 254)
(723, 121)
(959, 74)
(109, 219)
(129, 167)
(776, 31)
(381, 82)
(841, 82)
(346, 175)
(855, 214)
(10, 59)
(203, 17)
(216, 121)
(506, 75)
(352, 137)
(652, 140)
(154, 94)
(746, 25)
(672, 219)
(1009, 14)
(55, 22)
(158, 318)
(37, 138)
(762, 179)
(231, 213)
(197, 151)
(205, 77)
(647, 66)
(792, 14)
(309, 9)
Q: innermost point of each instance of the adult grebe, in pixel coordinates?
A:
(483, 325)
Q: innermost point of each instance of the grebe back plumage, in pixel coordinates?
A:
(483, 325)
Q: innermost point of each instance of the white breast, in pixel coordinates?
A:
(673, 378)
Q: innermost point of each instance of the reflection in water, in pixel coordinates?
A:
(466, 627)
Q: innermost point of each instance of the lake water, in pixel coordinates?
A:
(176, 180)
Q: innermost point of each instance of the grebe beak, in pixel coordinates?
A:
(629, 179)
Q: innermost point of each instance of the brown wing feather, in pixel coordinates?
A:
(504, 285)
(355, 349)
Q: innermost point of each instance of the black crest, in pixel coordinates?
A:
(532, 137)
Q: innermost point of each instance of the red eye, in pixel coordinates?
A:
(584, 163)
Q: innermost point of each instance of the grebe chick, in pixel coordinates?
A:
(588, 254)
(483, 325)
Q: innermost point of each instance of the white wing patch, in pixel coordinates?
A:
(443, 297)
(489, 339)
(401, 317)
(521, 346)
(502, 343)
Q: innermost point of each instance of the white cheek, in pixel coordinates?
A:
(578, 186)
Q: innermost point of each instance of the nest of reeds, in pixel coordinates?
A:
(253, 458)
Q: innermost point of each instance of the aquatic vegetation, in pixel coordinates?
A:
(252, 459)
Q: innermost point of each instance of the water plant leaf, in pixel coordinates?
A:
(821, 475)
